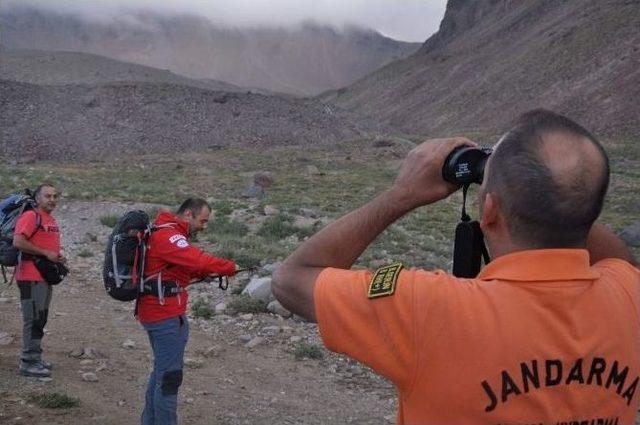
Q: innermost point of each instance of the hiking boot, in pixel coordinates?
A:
(36, 370)
(45, 364)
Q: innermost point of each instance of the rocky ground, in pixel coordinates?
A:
(240, 369)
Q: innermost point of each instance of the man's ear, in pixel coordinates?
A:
(490, 212)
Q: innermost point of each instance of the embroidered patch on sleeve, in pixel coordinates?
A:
(383, 282)
(179, 240)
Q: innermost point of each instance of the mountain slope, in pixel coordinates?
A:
(305, 60)
(50, 67)
(492, 59)
(117, 120)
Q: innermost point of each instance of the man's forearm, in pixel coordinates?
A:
(27, 247)
(343, 241)
(338, 245)
(603, 243)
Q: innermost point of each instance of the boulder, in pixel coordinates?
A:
(89, 377)
(271, 267)
(220, 308)
(254, 342)
(276, 308)
(383, 143)
(313, 170)
(270, 210)
(264, 179)
(254, 191)
(260, 289)
(129, 344)
(5, 338)
(308, 213)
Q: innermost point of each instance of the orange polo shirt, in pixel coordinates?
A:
(540, 337)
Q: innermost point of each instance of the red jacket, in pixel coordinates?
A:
(170, 254)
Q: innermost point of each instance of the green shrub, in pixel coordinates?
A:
(223, 208)
(53, 400)
(240, 257)
(202, 308)
(306, 350)
(224, 226)
(85, 253)
(246, 304)
(109, 220)
(277, 227)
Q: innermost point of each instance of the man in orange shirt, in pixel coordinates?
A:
(548, 333)
(36, 234)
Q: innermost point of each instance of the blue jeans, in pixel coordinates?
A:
(168, 340)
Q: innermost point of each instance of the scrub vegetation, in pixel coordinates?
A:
(53, 400)
(330, 180)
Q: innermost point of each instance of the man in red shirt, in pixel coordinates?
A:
(36, 233)
(172, 264)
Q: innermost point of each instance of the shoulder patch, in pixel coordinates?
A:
(383, 282)
(179, 240)
(175, 238)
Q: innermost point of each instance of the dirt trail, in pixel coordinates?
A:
(225, 382)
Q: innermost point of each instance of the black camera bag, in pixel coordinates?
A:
(52, 272)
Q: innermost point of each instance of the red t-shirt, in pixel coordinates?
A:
(46, 237)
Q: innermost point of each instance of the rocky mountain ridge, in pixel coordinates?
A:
(493, 59)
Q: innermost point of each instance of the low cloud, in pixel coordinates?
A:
(409, 20)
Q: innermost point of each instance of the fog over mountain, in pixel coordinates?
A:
(304, 58)
(405, 20)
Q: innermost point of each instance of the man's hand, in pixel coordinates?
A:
(420, 179)
(52, 256)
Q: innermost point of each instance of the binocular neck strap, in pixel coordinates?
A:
(469, 248)
(465, 217)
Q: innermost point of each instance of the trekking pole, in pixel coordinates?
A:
(223, 281)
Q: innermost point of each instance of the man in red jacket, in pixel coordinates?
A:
(172, 264)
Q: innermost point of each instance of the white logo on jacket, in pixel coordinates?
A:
(179, 240)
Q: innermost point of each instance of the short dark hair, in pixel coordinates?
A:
(544, 211)
(194, 205)
(38, 189)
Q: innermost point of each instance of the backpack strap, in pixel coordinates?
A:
(38, 227)
(38, 224)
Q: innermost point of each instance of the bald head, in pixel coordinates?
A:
(550, 176)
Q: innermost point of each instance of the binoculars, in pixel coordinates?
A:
(465, 165)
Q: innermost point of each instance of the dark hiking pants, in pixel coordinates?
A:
(35, 298)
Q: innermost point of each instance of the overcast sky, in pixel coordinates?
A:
(409, 20)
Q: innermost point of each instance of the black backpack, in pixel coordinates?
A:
(11, 208)
(124, 258)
